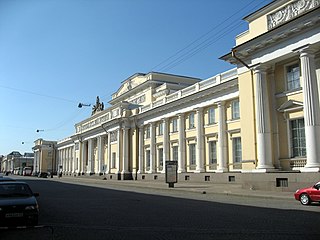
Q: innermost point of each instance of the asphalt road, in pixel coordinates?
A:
(69, 211)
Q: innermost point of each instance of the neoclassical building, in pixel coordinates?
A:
(260, 117)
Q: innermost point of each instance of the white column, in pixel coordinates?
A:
(118, 163)
(100, 153)
(90, 156)
(83, 157)
(141, 149)
(109, 153)
(78, 159)
(311, 110)
(125, 155)
(70, 159)
(200, 139)
(65, 160)
(182, 142)
(222, 139)
(152, 148)
(166, 140)
(264, 150)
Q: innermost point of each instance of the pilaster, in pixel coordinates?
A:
(182, 149)
(141, 150)
(200, 140)
(264, 149)
(311, 109)
(222, 139)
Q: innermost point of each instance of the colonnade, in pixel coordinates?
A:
(182, 143)
(311, 113)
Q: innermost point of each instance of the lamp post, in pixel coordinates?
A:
(80, 105)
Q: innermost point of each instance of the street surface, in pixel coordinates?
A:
(98, 211)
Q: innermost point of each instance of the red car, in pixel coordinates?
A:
(308, 195)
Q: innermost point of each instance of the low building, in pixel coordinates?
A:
(16, 161)
(44, 156)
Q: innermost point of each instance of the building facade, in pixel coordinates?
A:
(15, 160)
(260, 117)
(278, 58)
(44, 157)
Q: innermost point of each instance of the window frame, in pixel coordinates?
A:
(191, 120)
(174, 122)
(211, 116)
(192, 155)
(291, 83)
(235, 109)
(212, 153)
(175, 153)
(236, 150)
(300, 136)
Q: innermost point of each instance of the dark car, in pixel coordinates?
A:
(43, 175)
(18, 204)
(309, 194)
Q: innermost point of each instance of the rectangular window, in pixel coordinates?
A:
(160, 157)
(160, 129)
(211, 116)
(212, 152)
(293, 77)
(235, 109)
(148, 160)
(192, 154)
(191, 121)
(174, 125)
(298, 138)
(175, 153)
(114, 157)
(237, 153)
(147, 132)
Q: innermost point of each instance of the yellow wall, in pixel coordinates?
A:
(247, 118)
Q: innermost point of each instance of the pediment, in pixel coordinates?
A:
(290, 105)
(130, 83)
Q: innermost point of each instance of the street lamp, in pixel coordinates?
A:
(39, 130)
(80, 105)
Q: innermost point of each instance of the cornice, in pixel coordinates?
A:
(276, 35)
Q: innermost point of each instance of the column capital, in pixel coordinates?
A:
(165, 120)
(221, 103)
(199, 110)
(305, 50)
(260, 68)
(181, 115)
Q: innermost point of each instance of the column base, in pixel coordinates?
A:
(264, 170)
(201, 170)
(222, 170)
(310, 169)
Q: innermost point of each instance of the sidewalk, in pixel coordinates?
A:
(157, 187)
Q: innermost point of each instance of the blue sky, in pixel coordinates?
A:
(57, 53)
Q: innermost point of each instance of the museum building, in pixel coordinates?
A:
(262, 116)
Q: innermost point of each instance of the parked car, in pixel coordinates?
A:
(27, 171)
(43, 175)
(308, 195)
(18, 204)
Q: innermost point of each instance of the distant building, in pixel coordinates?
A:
(16, 160)
(44, 156)
(1, 158)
